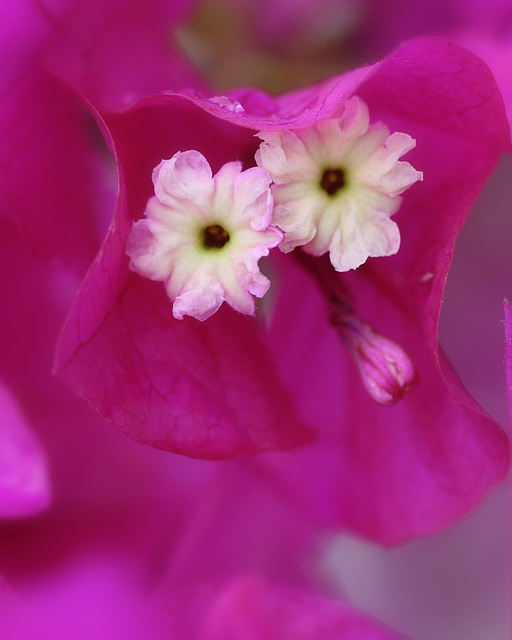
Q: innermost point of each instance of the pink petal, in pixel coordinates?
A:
(96, 596)
(56, 174)
(117, 51)
(387, 473)
(391, 473)
(205, 390)
(53, 170)
(24, 482)
(497, 53)
(182, 177)
(250, 607)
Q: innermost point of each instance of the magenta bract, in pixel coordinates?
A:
(254, 608)
(232, 385)
(24, 482)
(56, 174)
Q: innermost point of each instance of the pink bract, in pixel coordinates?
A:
(56, 172)
(141, 557)
(24, 482)
(234, 386)
(263, 589)
(251, 607)
(81, 565)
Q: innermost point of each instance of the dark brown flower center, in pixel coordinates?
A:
(215, 237)
(332, 181)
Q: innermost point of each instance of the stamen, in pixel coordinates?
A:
(215, 237)
(332, 181)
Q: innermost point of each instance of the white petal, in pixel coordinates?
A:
(169, 243)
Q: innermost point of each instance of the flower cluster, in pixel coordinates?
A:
(335, 186)
(251, 285)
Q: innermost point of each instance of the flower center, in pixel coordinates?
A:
(215, 237)
(332, 181)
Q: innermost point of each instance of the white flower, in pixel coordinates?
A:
(337, 184)
(203, 236)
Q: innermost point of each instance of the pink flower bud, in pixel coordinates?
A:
(385, 368)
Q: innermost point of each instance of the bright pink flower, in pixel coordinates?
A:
(89, 565)
(94, 563)
(233, 385)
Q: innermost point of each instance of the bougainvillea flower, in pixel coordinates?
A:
(233, 384)
(203, 235)
(337, 184)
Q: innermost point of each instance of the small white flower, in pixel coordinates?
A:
(337, 184)
(203, 236)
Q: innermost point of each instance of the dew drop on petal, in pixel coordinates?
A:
(230, 104)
